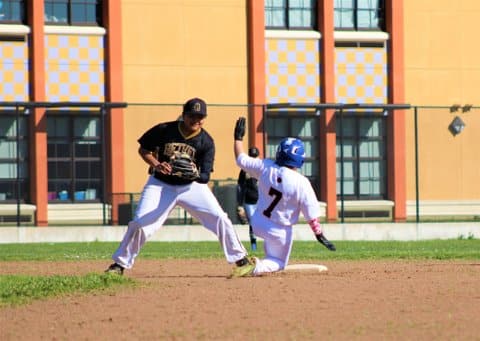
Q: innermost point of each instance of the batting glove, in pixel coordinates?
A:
(325, 242)
(239, 129)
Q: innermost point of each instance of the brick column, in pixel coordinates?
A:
(38, 124)
(114, 93)
(256, 72)
(396, 119)
(327, 142)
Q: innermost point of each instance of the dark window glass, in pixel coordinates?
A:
(14, 172)
(87, 149)
(12, 11)
(359, 15)
(73, 12)
(291, 14)
(74, 157)
(362, 140)
(88, 169)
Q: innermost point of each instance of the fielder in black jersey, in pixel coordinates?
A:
(166, 139)
(167, 188)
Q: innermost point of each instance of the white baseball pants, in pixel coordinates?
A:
(157, 201)
(277, 244)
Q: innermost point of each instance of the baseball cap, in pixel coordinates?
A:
(195, 106)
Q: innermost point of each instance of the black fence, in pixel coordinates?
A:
(442, 162)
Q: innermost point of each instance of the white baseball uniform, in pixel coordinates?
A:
(283, 194)
(163, 192)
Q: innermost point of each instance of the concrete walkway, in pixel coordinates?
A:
(335, 232)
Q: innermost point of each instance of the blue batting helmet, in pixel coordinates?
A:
(290, 153)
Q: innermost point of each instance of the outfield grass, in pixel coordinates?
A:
(346, 250)
(16, 289)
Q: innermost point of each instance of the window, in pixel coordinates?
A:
(12, 12)
(13, 158)
(73, 12)
(364, 159)
(359, 15)
(302, 126)
(291, 14)
(74, 157)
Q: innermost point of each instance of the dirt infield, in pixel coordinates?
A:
(193, 300)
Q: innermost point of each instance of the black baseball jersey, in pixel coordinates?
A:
(248, 188)
(165, 139)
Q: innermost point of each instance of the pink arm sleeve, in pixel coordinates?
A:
(315, 226)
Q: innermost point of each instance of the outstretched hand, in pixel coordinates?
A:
(239, 129)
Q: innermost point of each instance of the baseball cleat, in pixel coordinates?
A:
(244, 270)
(115, 269)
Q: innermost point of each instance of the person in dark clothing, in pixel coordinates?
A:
(247, 190)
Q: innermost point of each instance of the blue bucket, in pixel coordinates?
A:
(80, 195)
(63, 195)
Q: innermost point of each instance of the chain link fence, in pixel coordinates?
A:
(224, 191)
(442, 163)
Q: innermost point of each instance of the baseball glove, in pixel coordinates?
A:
(183, 166)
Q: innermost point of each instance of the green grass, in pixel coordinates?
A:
(461, 248)
(453, 249)
(21, 289)
(16, 289)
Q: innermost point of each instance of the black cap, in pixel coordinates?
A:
(195, 106)
(253, 152)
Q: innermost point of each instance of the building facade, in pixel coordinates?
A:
(338, 74)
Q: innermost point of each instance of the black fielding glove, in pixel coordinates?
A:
(239, 129)
(325, 242)
(183, 167)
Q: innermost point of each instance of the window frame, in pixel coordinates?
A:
(357, 159)
(73, 180)
(69, 9)
(286, 9)
(21, 160)
(380, 11)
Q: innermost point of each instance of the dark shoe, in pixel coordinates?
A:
(115, 269)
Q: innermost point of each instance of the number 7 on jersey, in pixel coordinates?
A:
(277, 196)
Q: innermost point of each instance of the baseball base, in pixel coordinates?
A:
(305, 268)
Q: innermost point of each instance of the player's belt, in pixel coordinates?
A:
(171, 180)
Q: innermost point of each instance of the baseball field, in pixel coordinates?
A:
(423, 290)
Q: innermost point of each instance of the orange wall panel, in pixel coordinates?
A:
(203, 53)
(441, 69)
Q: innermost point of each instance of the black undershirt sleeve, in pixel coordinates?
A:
(206, 160)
